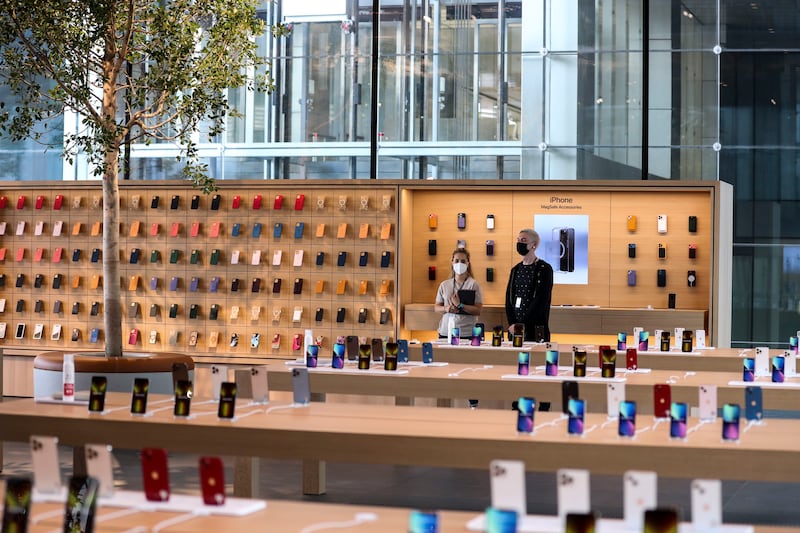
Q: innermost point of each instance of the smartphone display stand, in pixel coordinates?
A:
(182, 503)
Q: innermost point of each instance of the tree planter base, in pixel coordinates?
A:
(120, 371)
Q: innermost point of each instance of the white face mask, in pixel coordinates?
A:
(459, 268)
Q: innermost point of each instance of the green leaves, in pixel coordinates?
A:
(135, 70)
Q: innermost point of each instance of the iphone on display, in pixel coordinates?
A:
(155, 474)
(525, 408)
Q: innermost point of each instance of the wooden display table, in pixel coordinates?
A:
(573, 319)
(711, 359)
(278, 515)
(498, 382)
(120, 371)
(372, 434)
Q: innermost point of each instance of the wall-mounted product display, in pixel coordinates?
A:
(190, 278)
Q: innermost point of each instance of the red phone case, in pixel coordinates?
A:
(631, 359)
(3, 202)
(662, 394)
(38, 255)
(195, 229)
(133, 337)
(57, 254)
(58, 201)
(154, 229)
(299, 200)
(21, 202)
(237, 200)
(2, 254)
(39, 201)
(174, 229)
(278, 203)
(155, 474)
(212, 480)
(257, 201)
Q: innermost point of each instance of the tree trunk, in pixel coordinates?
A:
(112, 312)
(112, 303)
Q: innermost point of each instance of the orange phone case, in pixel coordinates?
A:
(433, 221)
(96, 229)
(320, 286)
(76, 228)
(134, 229)
(386, 230)
(76, 282)
(362, 287)
(95, 281)
(385, 287)
(363, 231)
(631, 222)
(341, 233)
(320, 230)
(133, 284)
(341, 286)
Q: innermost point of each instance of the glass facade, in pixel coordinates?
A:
(540, 89)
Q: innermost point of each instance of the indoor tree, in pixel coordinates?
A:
(132, 71)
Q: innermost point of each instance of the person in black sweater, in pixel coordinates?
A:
(529, 290)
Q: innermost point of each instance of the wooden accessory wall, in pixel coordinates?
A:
(337, 257)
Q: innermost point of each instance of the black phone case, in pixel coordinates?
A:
(173, 311)
(37, 281)
(215, 202)
(298, 286)
(213, 312)
(193, 311)
(56, 281)
(318, 314)
(76, 308)
(363, 258)
(21, 306)
(20, 280)
(340, 318)
(661, 277)
(96, 309)
(692, 224)
(57, 307)
(154, 202)
(76, 255)
(671, 300)
(631, 250)
(386, 258)
(362, 315)
(341, 260)
(234, 284)
(256, 285)
(175, 202)
(276, 285)
(195, 201)
(431, 246)
(37, 306)
(385, 314)
(569, 389)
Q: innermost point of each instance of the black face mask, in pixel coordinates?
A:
(522, 248)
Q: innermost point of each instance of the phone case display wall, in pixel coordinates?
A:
(626, 245)
(245, 270)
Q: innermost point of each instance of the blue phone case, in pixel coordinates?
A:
(298, 230)
(173, 283)
(386, 258)
(277, 230)
(402, 350)
(342, 259)
(257, 230)
(363, 258)
(235, 229)
(193, 284)
(213, 284)
(427, 352)
(94, 335)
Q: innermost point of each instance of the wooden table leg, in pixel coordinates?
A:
(245, 477)
(314, 477)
